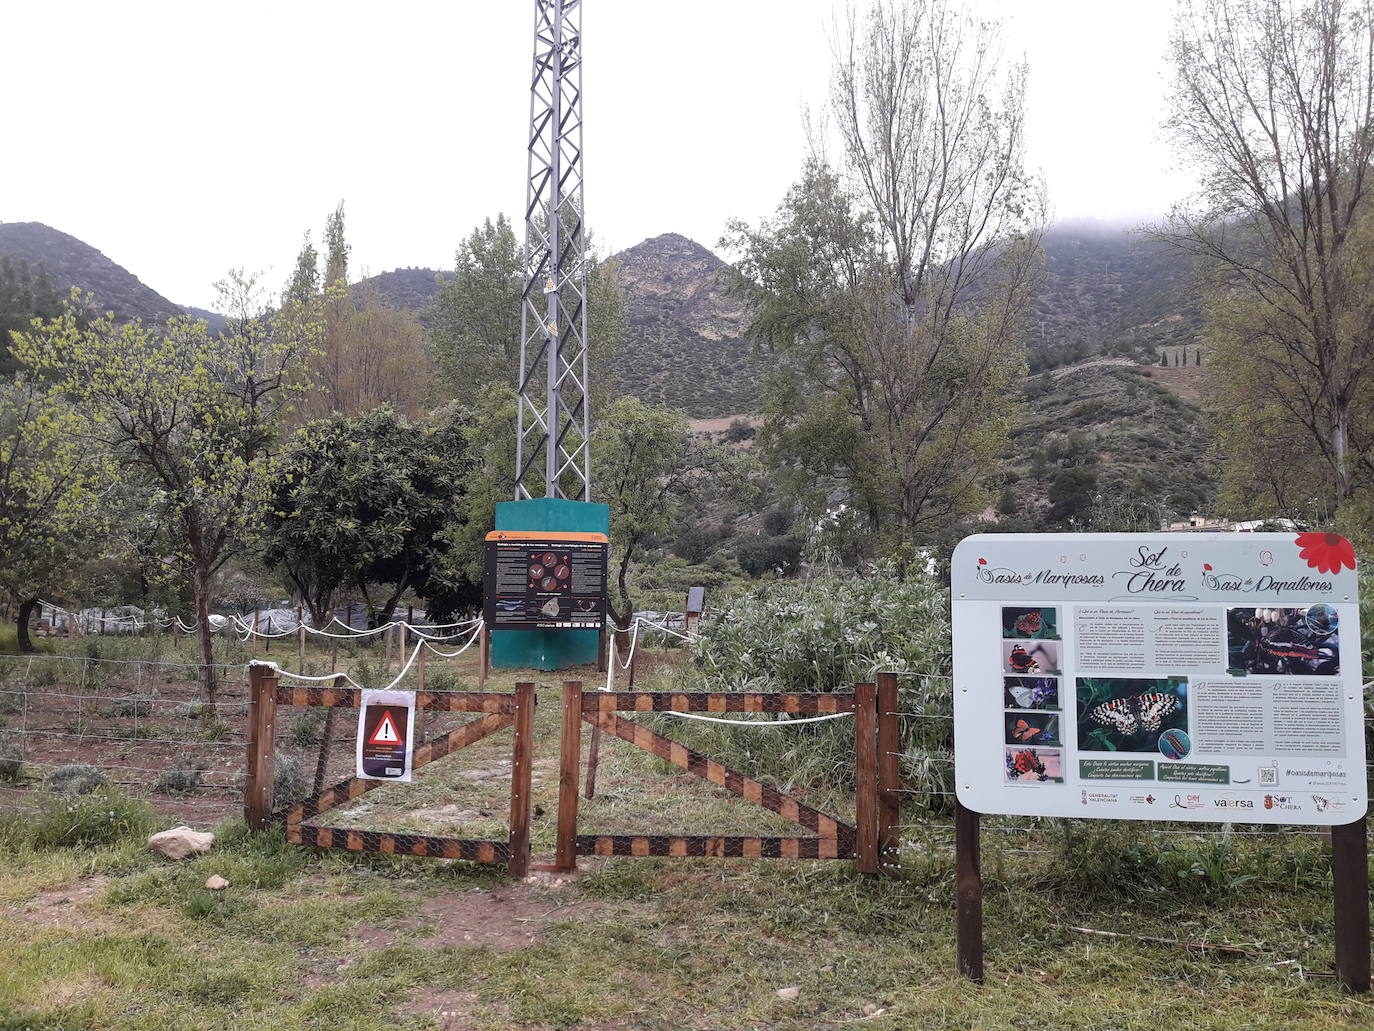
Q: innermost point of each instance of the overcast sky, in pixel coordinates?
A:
(183, 139)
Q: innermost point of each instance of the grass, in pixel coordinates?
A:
(110, 936)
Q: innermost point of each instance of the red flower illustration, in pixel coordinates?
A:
(982, 561)
(1327, 552)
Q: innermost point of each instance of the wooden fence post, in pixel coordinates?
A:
(386, 642)
(253, 634)
(1350, 884)
(483, 656)
(569, 767)
(300, 638)
(262, 746)
(968, 884)
(866, 777)
(522, 762)
(888, 771)
(420, 663)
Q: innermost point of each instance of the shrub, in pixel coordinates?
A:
(305, 729)
(181, 779)
(825, 634)
(11, 760)
(135, 706)
(288, 783)
(738, 431)
(188, 710)
(103, 817)
(76, 779)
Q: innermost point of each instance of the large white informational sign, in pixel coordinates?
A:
(1207, 677)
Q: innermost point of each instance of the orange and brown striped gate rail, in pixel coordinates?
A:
(831, 838)
(498, 711)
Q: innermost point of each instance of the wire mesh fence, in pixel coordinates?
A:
(74, 724)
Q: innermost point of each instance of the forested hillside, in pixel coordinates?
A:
(1108, 290)
(70, 262)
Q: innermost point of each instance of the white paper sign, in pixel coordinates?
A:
(1205, 677)
(386, 735)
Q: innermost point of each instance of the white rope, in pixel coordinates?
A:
(755, 723)
(424, 643)
(657, 626)
(301, 676)
(404, 670)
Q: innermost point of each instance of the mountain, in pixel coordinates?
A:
(71, 263)
(407, 289)
(684, 344)
(1109, 290)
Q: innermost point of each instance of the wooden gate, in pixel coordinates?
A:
(830, 838)
(498, 711)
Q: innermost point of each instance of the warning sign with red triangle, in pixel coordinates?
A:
(386, 732)
(385, 723)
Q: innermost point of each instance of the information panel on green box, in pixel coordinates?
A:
(1203, 677)
(545, 584)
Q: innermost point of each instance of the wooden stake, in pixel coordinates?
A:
(300, 639)
(866, 777)
(386, 640)
(569, 766)
(420, 664)
(262, 746)
(483, 656)
(326, 739)
(522, 763)
(1350, 884)
(333, 641)
(253, 634)
(593, 761)
(968, 883)
(888, 771)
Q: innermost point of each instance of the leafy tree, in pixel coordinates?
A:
(645, 462)
(476, 316)
(1273, 101)
(369, 353)
(371, 500)
(758, 555)
(25, 294)
(53, 491)
(195, 414)
(891, 291)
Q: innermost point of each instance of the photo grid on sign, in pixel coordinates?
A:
(1031, 708)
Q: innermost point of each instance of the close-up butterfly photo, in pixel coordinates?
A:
(1128, 715)
(1032, 728)
(1039, 624)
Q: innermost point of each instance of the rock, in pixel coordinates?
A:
(180, 842)
(216, 883)
(789, 994)
(870, 1010)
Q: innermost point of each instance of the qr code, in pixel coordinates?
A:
(1268, 776)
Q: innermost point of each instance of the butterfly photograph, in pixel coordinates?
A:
(1129, 715)
(1031, 728)
(1032, 765)
(1029, 657)
(1030, 692)
(1031, 623)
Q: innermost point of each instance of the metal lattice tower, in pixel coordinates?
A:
(553, 420)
